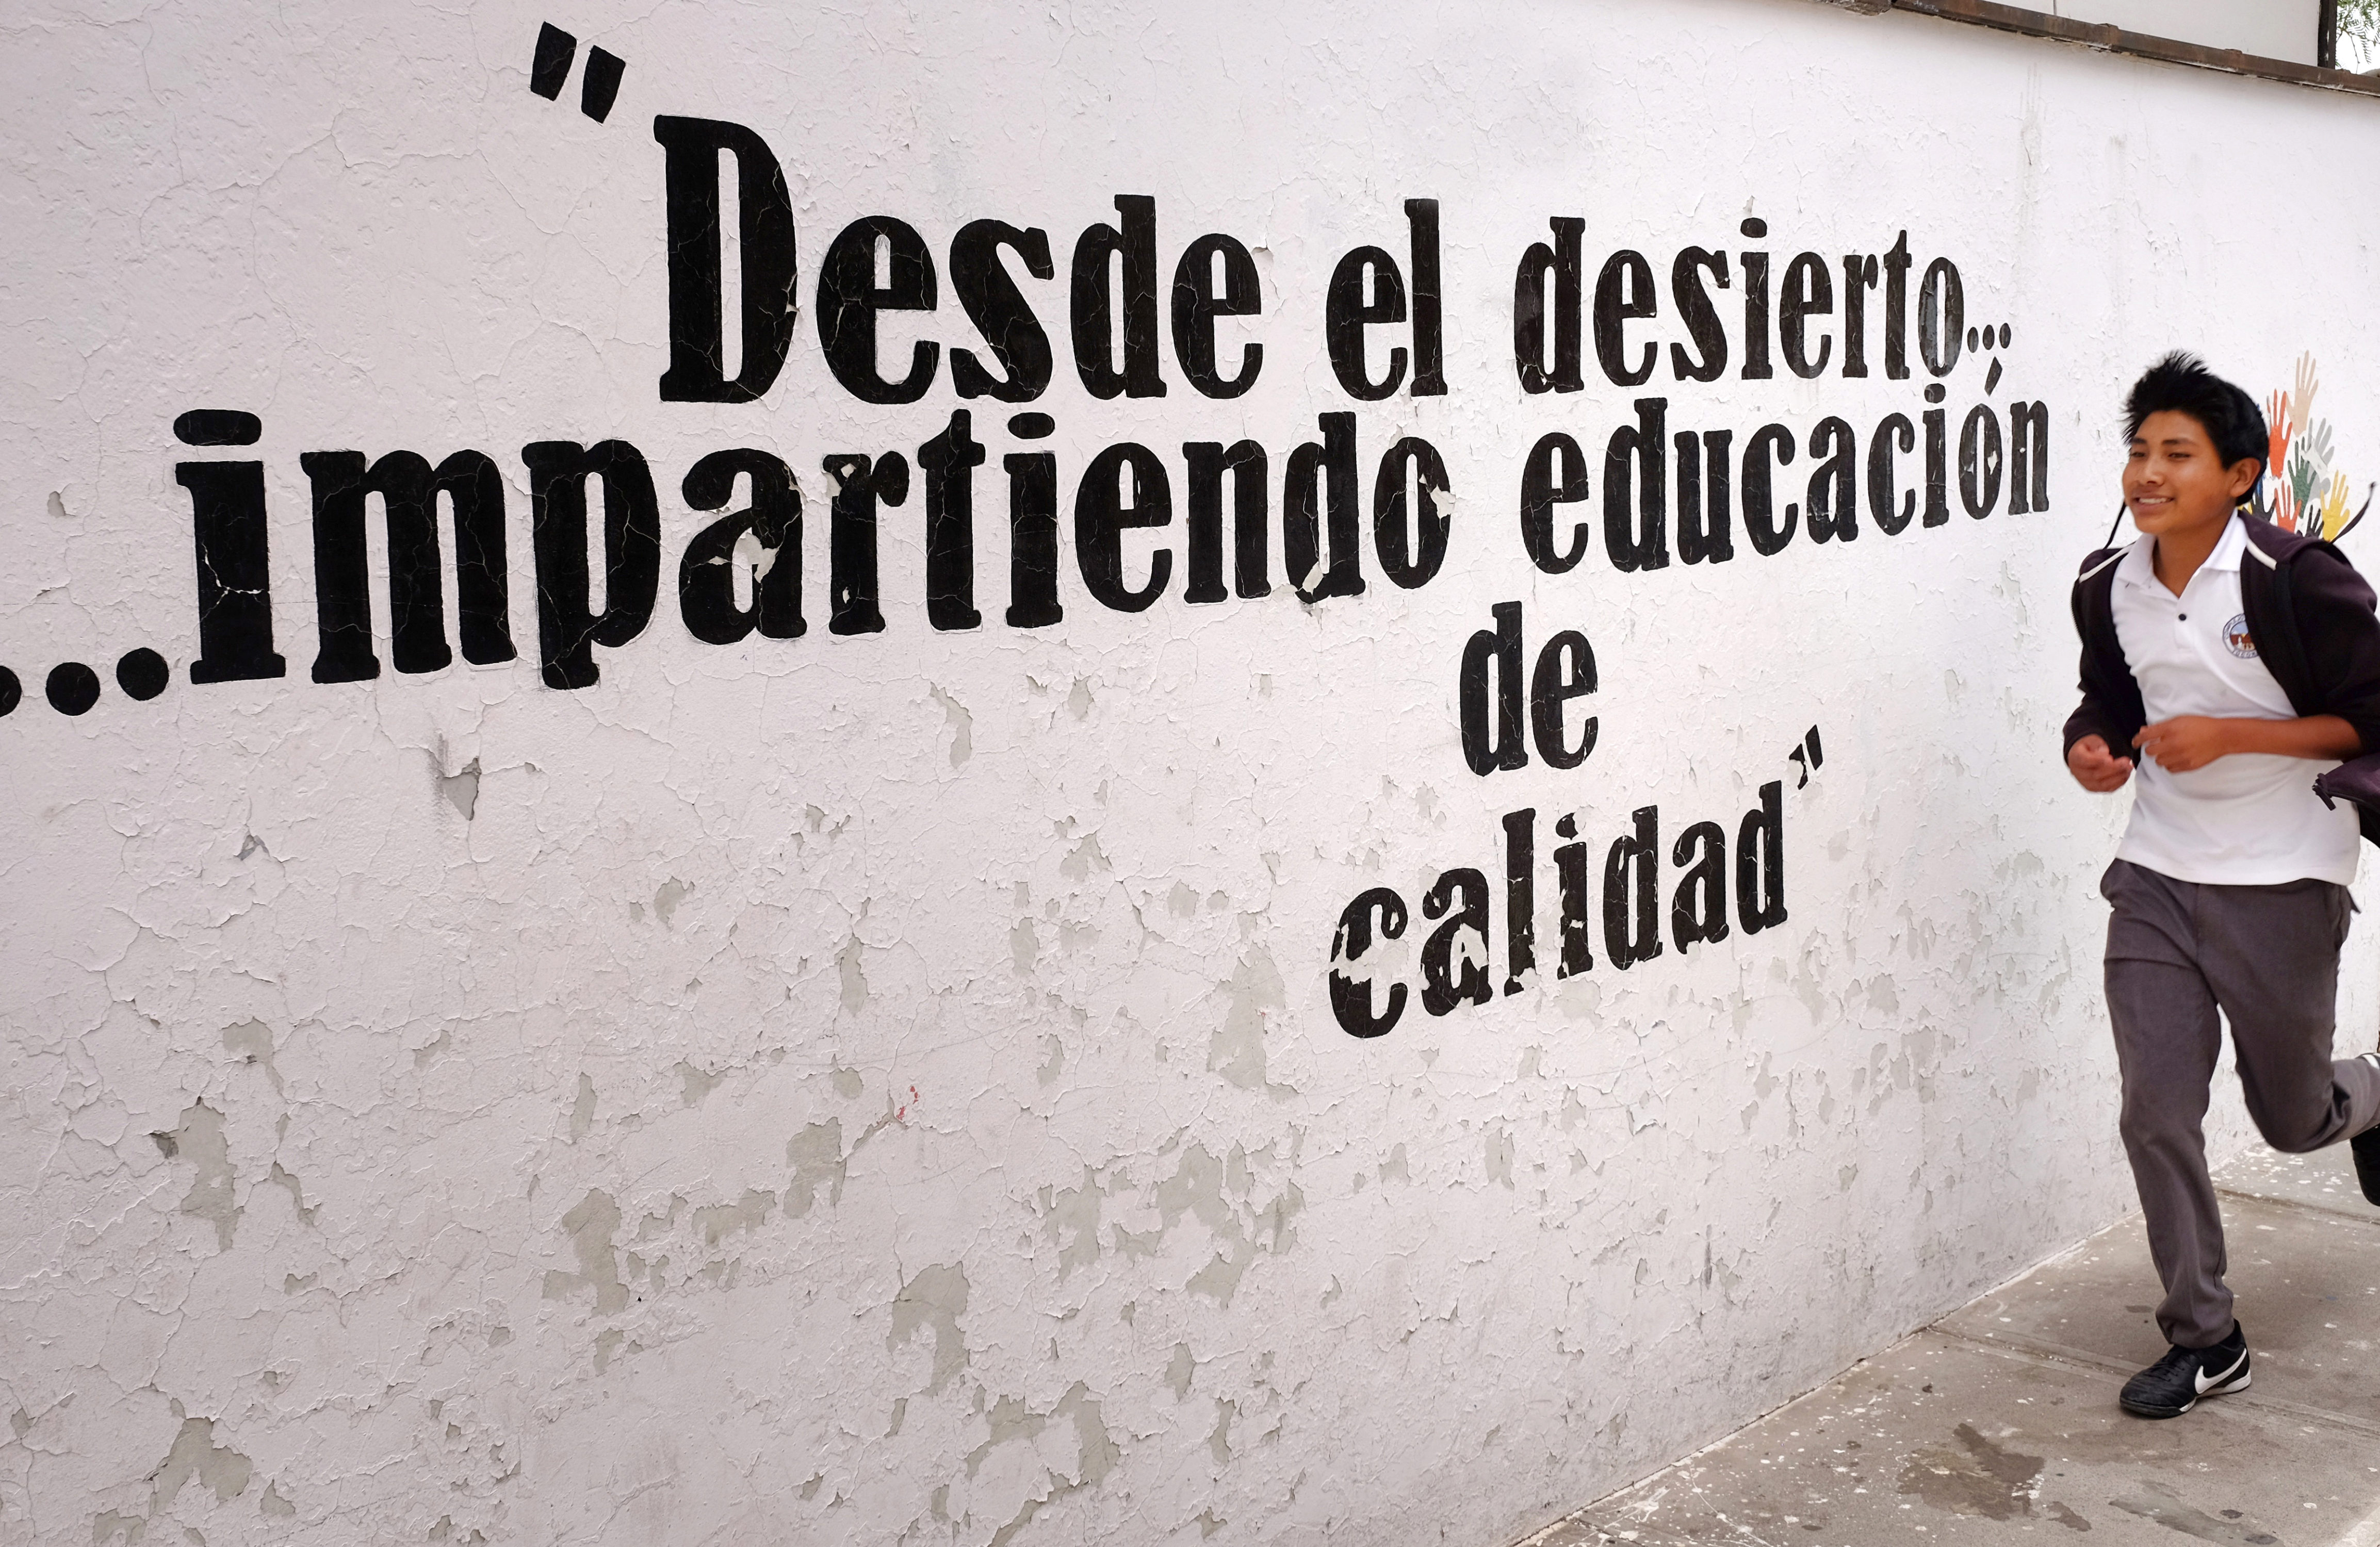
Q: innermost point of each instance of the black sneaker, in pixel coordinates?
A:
(2173, 1385)
(2366, 1146)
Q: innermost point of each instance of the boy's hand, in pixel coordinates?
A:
(2185, 742)
(2095, 768)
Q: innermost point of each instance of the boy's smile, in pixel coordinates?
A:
(2176, 482)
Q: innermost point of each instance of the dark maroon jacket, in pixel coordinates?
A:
(2311, 615)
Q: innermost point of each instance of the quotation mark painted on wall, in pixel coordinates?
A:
(1810, 754)
(599, 85)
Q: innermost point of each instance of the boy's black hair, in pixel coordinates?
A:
(2181, 382)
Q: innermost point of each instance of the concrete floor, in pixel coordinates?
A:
(2000, 1420)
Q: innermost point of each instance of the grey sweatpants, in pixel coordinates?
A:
(2268, 956)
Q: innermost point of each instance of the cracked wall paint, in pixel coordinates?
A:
(198, 1139)
(884, 1087)
(933, 1301)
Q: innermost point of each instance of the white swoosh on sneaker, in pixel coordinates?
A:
(2206, 1384)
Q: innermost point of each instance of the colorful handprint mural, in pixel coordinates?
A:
(2303, 492)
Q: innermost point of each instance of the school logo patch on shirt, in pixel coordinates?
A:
(2235, 638)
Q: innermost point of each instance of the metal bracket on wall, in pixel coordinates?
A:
(2115, 40)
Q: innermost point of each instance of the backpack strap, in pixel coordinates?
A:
(2106, 679)
(2269, 599)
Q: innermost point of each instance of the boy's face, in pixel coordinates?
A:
(2176, 481)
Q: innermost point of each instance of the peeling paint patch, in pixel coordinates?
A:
(1499, 1154)
(1179, 1371)
(1096, 1451)
(195, 1454)
(591, 1225)
(1198, 1188)
(816, 1154)
(961, 725)
(1074, 1210)
(716, 1221)
(694, 1083)
(198, 1139)
(1087, 858)
(252, 1040)
(282, 1179)
(461, 789)
(854, 979)
(934, 1299)
(1219, 1440)
(1236, 1050)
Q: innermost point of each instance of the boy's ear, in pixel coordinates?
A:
(2244, 475)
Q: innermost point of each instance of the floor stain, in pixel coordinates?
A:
(2157, 1502)
(1979, 1479)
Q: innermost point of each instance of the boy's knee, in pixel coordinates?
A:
(2294, 1132)
(2145, 1130)
(2157, 1110)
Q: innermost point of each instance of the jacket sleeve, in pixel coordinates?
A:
(2095, 716)
(2334, 605)
(2091, 718)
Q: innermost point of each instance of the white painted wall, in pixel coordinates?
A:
(2273, 29)
(884, 1087)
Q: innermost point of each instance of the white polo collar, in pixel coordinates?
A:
(2229, 549)
(2138, 565)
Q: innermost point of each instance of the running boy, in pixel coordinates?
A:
(2224, 663)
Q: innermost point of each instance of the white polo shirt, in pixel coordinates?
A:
(2249, 818)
